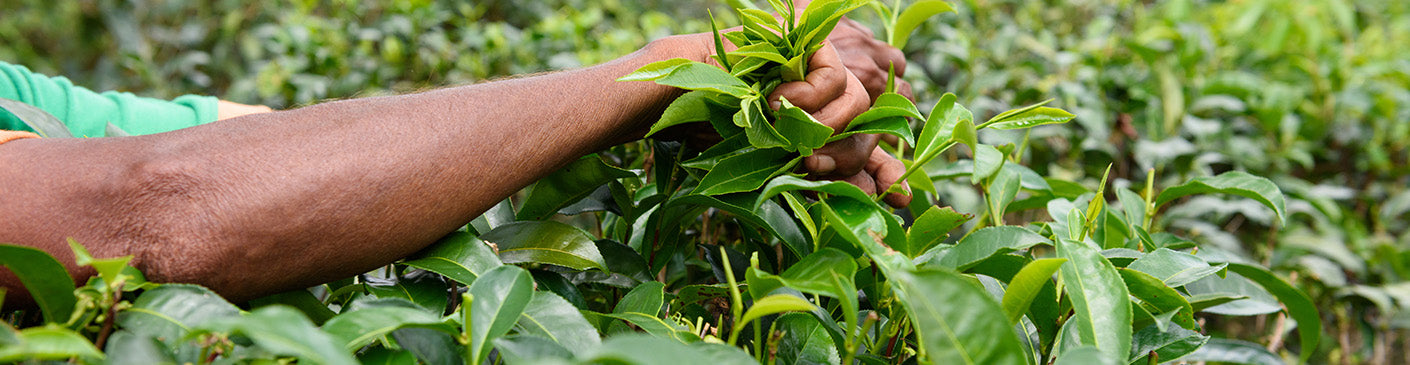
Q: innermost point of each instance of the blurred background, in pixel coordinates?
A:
(1314, 94)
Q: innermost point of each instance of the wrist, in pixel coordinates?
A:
(695, 47)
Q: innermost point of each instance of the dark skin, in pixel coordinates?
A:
(278, 201)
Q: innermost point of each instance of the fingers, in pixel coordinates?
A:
(844, 157)
(825, 82)
(887, 171)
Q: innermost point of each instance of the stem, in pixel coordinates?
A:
(736, 304)
(915, 166)
(466, 301)
(852, 347)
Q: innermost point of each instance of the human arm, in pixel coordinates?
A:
(288, 199)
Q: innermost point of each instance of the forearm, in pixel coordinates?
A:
(289, 199)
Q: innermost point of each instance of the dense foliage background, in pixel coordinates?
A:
(1314, 95)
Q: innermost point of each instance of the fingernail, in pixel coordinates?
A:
(776, 105)
(822, 164)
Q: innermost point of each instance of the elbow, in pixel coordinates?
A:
(162, 217)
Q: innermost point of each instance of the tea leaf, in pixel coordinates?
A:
(499, 298)
(912, 17)
(567, 186)
(988, 242)
(1099, 298)
(1233, 182)
(545, 242)
(1298, 305)
(47, 343)
(459, 256)
(931, 229)
(1033, 118)
(746, 171)
(1025, 285)
(549, 316)
(956, 322)
(45, 278)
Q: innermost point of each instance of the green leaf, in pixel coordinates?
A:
(1013, 113)
(126, 348)
(987, 242)
(931, 229)
(430, 346)
(1298, 305)
(956, 321)
(775, 304)
(804, 133)
(939, 127)
(556, 283)
(168, 312)
(912, 17)
(1232, 182)
(691, 75)
(820, 18)
(694, 106)
(1025, 285)
(788, 183)
(887, 115)
(499, 298)
(459, 256)
(300, 299)
(804, 341)
(1174, 268)
(284, 331)
(549, 316)
(965, 133)
(1034, 118)
(746, 171)
(108, 269)
(1099, 298)
(545, 242)
(1085, 355)
(655, 326)
(567, 186)
(655, 70)
(1234, 352)
(43, 123)
(45, 278)
(646, 298)
(763, 51)
(1168, 345)
(427, 291)
(631, 349)
(1002, 190)
(372, 319)
(48, 343)
(521, 349)
(1153, 292)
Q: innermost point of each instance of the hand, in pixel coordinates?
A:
(834, 96)
(869, 58)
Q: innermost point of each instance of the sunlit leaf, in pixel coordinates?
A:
(1232, 182)
(499, 298)
(1025, 285)
(956, 321)
(546, 242)
(1099, 298)
(459, 256)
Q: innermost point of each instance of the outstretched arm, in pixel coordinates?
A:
(283, 200)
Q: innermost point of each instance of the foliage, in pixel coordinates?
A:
(1020, 247)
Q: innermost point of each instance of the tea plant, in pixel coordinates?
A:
(727, 256)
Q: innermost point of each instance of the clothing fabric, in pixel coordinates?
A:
(87, 113)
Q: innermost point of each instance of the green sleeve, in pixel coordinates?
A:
(88, 113)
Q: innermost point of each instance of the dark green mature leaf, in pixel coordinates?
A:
(45, 278)
(520, 349)
(1034, 118)
(786, 183)
(168, 312)
(549, 316)
(1298, 305)
(1168, 345)
(828, 272)
(1233, 182)
(746, 171)
(956, 321)
(1002, 190)
(372, 319)
(384, 356)
(43, 123)
(499, 298)
(804, 341)
(912, 17)
(284, 331)
(630, 350)
(931, 229)
(1025, 286)
(48, 343)
(1099, 298)
(556, 283)
(1234, 352)
(427, 291)
(545, 242)
(1155, 293)
(430, 346)
(459, 256)
(987, 242)
(691, 75)
(1175, 268)
(567, 186)
(126, 348)
(646, 298)
(300, 299)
